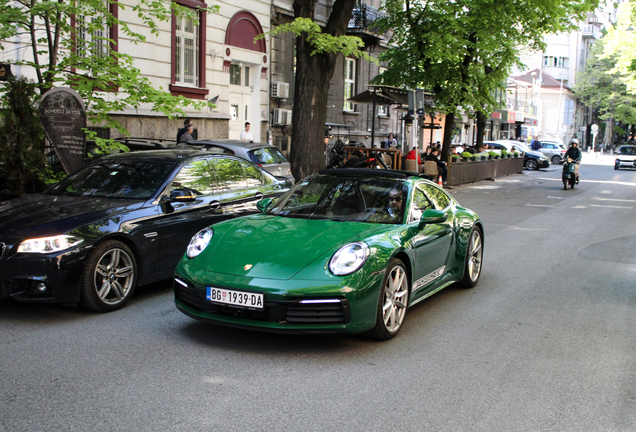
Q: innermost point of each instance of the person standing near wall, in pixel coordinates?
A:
(246, 135)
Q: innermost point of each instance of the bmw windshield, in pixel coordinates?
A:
(110, 179)
(345, 199)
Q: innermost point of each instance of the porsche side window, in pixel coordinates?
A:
(420, 203)
(437, 197)
(229, 174)
(195, 176)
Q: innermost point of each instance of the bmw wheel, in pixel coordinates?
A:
(532, 164)
(109, 277)
(394, 299)
(474, 256)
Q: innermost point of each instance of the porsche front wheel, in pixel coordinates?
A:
(394, 300)
(474, 255)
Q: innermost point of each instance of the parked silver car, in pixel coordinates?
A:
(554, 150)
(264, 155)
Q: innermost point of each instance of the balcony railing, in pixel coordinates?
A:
(363, 16)
(525, 106)
(590, 31)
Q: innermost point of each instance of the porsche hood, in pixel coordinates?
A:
(277, 248)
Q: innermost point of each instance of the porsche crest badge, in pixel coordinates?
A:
(247, 266)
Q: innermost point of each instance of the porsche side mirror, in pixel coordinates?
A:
(432, 216)
(264, 204)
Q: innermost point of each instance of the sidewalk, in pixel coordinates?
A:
(597, 159)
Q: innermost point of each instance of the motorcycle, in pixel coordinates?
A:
(570, 174)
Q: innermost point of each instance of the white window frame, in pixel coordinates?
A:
(349, 83)
(96, 41)
(383, 110)
(233, 68)
(186, 52)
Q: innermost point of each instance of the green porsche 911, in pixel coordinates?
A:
(344, 250)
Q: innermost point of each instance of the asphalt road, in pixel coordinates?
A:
(545, 342)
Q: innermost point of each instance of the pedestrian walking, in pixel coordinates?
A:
(183, 129)
(187, 135)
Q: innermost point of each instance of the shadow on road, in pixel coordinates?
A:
(51, 313)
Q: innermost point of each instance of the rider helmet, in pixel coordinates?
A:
(574, 141)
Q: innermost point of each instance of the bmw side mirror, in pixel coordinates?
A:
(432, 216)
(182, 195)
(264, 204)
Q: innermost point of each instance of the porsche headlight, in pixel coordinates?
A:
(349, 258)
(199, 242)
(45, 245)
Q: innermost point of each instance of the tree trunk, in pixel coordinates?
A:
(481, 128)
(313, 74)
(449, 124)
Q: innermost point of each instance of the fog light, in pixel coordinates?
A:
(41, 287)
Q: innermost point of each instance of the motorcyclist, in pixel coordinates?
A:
(574, 153)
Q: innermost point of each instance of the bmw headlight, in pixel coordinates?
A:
(45, 245)
(349, 258)
(199, 242)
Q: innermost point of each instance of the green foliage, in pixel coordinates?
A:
(602, 86)
(463, 50)
(620, 45)
(22, 160)
(467, 155)
(349, 46)
(91, 67)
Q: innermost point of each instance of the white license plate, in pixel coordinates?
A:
(235, 298)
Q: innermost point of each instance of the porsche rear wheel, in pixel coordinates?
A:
(474, 256)
(394, 300)
(109, 278)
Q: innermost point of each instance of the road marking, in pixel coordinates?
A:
(592, 181)
(609, 206)
(540, 205)
(615, 199)
(551, 197)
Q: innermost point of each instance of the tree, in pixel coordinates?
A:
(22, 160)
(464, 50)
(602, 86)
(620, 44)
(317, 51)
(71, 46)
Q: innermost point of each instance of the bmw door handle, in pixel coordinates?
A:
(258, 195)
(215, 205)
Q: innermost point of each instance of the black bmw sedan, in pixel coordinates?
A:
(122, 221)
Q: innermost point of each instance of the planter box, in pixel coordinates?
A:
(469, 172)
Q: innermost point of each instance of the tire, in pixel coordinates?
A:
(109, 277)
(565, 184)
(572, 185)
(532, 164)
(616, 167)
(474, 257)
(393, 302)
(556, 159)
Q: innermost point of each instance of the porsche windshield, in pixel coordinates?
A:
(345, 199)
(110, 179)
